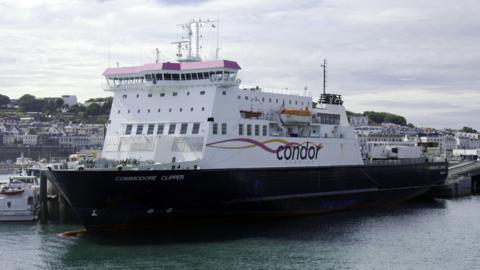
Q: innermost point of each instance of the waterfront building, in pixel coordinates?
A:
(69, 100)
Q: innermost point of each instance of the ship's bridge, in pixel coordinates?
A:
(223, 72)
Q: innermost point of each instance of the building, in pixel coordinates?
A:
(359, 121)
(69, 100)
(30, 139)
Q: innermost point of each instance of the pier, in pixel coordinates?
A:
(463, 180)
(53, 206)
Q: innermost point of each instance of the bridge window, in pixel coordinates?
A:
(175, 77)
(328, 119)
(150, 129)
(167, 76)
(257, 130)
(215, 128)
(171, 128)
(206, 75)
(200, 76)
(139, 129)
(183, 128)
(202, 92)
(183, 77)
(128, 130)
(174, 94)
(264, 130)
(194, 76)
(148, 77)
(196, 128)
(159, 76)
(224, 128)
(240, 129)
(160, 129)
(189, 76)
(249, 130)
(162, 94)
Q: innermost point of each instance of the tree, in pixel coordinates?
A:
(59, 103)
(469, 130)
(29, 103)
(4, 100)
(94, 109)
(383, 117)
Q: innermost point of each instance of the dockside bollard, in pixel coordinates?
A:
(43, 199)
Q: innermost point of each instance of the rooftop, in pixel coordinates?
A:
(171, 66)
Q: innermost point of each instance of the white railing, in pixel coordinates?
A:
(275, 90)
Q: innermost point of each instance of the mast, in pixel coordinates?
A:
(324, 66)
(186, 43)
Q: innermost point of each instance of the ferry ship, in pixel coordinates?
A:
(185, 142)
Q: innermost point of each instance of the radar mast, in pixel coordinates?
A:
(191, 43)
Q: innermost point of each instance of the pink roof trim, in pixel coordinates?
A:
(172, 66)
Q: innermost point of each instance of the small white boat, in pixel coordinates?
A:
(19, 199)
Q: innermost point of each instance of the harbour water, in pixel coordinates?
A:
(435, 234)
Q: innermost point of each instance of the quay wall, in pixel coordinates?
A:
(34, 152)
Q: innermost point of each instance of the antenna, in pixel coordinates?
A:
(324, 66)
(189, 28)
(157, 56)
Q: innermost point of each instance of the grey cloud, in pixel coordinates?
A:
(373, 46)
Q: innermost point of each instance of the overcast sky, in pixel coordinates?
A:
(417, 58)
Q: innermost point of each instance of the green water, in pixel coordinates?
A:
(421, 235)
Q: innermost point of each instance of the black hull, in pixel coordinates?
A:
(106, 200)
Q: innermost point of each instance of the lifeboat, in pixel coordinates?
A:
(295, 116)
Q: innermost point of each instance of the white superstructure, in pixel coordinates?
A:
(195, 112)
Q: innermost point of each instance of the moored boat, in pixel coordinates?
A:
(186, 142)
(19, 199)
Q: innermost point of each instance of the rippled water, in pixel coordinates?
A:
(422, 235)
